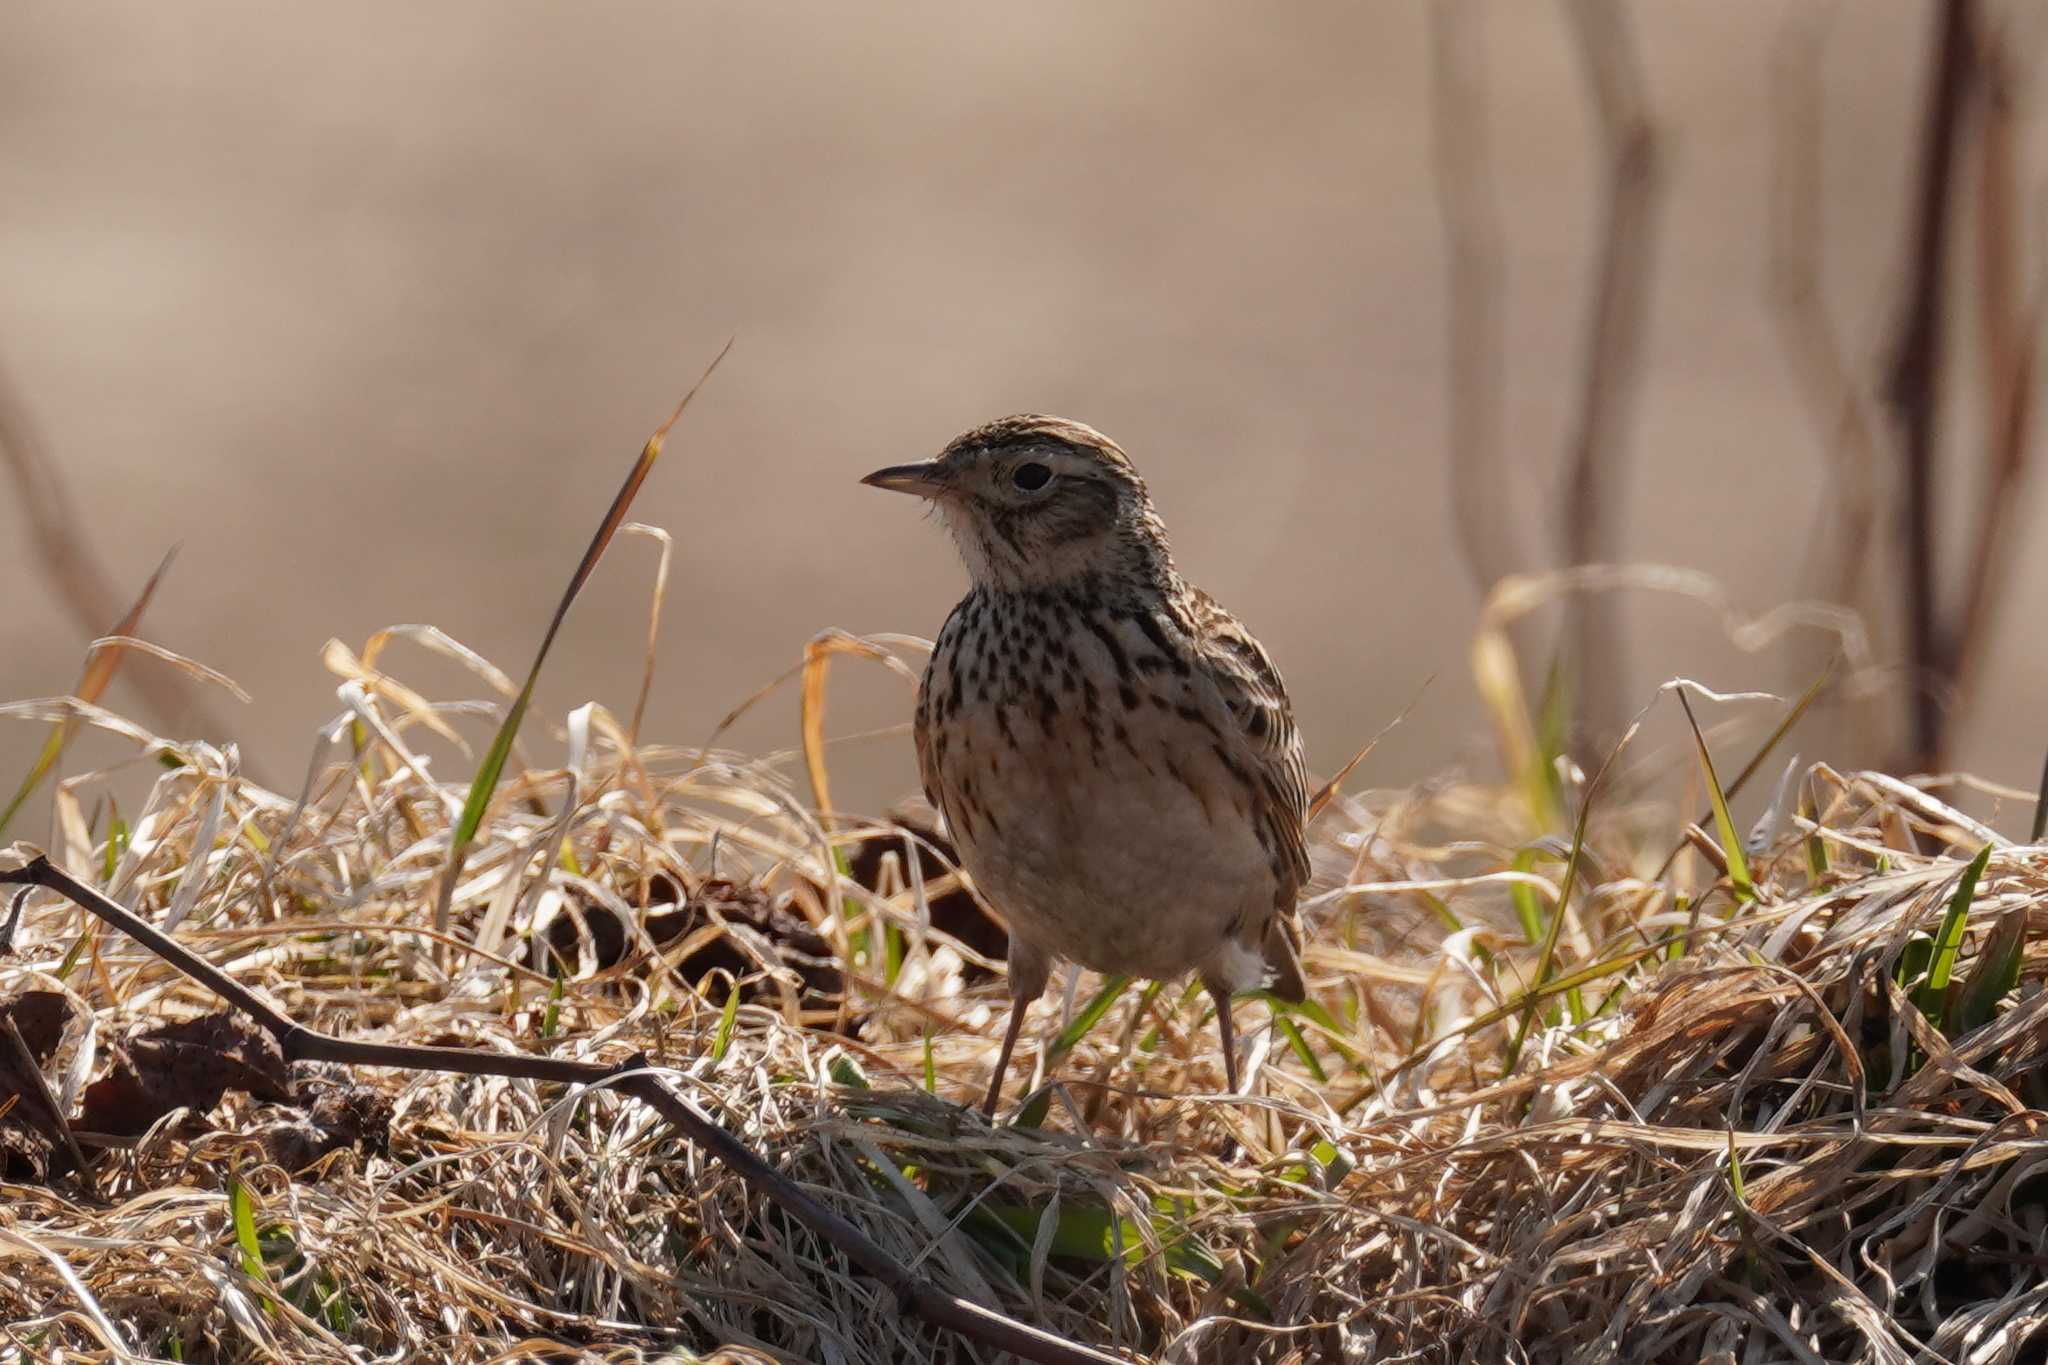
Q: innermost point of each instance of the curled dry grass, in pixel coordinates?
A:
(1729, 1132)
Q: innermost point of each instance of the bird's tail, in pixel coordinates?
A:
(1283, 958)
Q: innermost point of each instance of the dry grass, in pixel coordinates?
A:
(1728, 1134)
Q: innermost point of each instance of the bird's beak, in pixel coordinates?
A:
(924, 479)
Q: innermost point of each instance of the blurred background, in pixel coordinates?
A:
(369, 308)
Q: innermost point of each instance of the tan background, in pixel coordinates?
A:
(368, 306)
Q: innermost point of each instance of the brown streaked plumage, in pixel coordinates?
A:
(1114, 754)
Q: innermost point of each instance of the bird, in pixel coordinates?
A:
(1115, 755)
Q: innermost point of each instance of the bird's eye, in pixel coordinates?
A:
(1031, 477)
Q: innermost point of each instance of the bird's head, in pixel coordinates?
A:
(1037, 500)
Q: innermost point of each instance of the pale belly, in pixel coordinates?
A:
(1135, 853)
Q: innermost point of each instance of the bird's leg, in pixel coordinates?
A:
(1221, 995)
(995, 1084)
(1030, 967)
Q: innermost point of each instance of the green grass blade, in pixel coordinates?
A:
(1084, 1023)
(1523, 896)
(1598, 971)
(1756, 760)
(551, 1017)
(1292, 1033)
(1150, 1042)
(242, 1207)
(1334, 1032)
(1913, 960)
(1032, 1115)
(1079, 1234)
(1443, 912)
(117, 845)
(892, 953)
(1932, 997)
(493, 767)
(1816, 847)
(1997, 974)
(1553, 729)
(1098, 1236)
(1548, 957)
(1336, 1165)
(1724, 824)
(729, 1016)
(1674, 948)
(78, 951)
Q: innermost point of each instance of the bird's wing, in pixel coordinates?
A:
(1251, 691)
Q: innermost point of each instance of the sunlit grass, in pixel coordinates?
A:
(1533, 1031)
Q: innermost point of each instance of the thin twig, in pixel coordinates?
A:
(633, 1077)
(25, 1062)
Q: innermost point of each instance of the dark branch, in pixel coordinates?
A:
(633, 1078)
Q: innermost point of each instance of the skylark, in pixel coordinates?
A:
(1114, 754)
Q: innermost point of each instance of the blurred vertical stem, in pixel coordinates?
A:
(2009, 316)
(1489, 532)
(1914, 391)
(1595, 489)
(1837, 549)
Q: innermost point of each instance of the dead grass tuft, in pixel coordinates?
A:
(1740, 1128)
